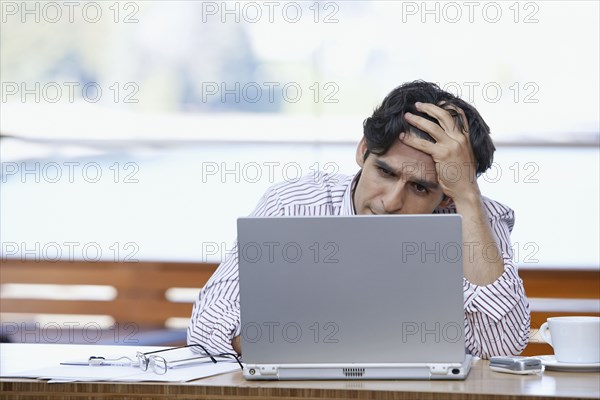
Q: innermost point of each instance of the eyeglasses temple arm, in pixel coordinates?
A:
(206, 351)
(234, 356)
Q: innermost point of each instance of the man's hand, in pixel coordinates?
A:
(456, 169)
(453, 156)
(237, 344)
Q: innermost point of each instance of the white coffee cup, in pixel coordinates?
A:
(574, 339)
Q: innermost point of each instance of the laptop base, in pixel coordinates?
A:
(432, 371)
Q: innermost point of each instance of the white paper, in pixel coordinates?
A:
(72, 373)
(52, 370)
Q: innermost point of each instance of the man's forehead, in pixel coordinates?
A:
(402, 156)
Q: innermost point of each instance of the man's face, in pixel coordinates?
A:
(402, 181)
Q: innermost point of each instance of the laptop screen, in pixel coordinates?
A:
(359, 289)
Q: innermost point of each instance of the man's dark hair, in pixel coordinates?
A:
(382, 129)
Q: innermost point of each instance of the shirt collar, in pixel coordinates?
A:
(347, 207)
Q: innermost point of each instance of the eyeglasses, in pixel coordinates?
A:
(159, 365)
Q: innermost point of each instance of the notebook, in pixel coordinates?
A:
(352, 297)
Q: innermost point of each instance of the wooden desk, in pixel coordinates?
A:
(482, 383)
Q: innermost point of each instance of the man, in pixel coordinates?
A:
(421, 153)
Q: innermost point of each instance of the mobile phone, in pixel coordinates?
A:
(516, 365)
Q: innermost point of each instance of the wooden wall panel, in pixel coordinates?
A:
(141, 290)
(562, 284)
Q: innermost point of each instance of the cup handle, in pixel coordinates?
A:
(543, 330)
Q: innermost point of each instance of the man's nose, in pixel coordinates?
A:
(393, 200)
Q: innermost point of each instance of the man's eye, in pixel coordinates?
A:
(384, 171)
(420, 188)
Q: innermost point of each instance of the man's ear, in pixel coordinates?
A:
(361, 150)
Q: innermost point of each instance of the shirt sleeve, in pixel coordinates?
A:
(497, 316)
(215, 319)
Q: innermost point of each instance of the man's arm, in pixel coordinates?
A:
(497, 314)
(454, 160)
(482, 261)
(215, 318)
(215, 321)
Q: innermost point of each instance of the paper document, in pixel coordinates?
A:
(183, 364)
(71, 373)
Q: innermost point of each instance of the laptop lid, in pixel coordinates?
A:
(374, 291)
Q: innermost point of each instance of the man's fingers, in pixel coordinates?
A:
(433, 129)
(443, 117)
(463, 118)
(418, 143)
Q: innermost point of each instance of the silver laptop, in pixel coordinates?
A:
(358, 297)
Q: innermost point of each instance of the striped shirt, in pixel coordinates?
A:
(497, 315)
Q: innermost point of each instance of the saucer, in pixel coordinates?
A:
(551, 364)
